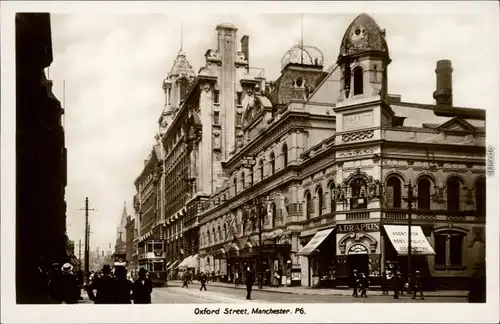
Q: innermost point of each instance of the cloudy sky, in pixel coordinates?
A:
(114, 64)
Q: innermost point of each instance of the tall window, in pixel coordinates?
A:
(261, 167)
(225, 231)
(453, 194)
(358, 80)
(358, 193)
(220, 233)
(251, 175)
(208, 237)
(243, 180)
(273, 215)
(394, 188)
(272, 162)
(481, 197)
(449, 248)
(320, 201)
(214, 235)
(239, 95)
(216, 96)
(235, 184)
(285, 155)
(216, 118)
(333, 203)
(424, 193)
(184, 84)
(309, 205)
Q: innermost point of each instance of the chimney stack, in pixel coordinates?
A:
(444, 88)
(244, 47)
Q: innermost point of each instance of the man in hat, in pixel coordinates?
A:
(203, 280)
(418, 285)
(104, 285)
(124, 288)
(70, 289)
(142, 288)
(355, 283)
(249, 282)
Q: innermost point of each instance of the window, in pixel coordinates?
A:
(149, 247)
(238, 119)
(332, 195)
(481, 197)
(456, 241)
(216, 118)
(358, 80)
(309, 206)
(448, 247)
(215, 236)
(225, 231)
(169, 92)
(235, 184)
(243, 180)
(216, 96)
(424, 194)
(271, 157)
(358, 193)
(394, 189)
(453, 194)
(208, 237)
(273, 215)
(284, 150)
(251, 176)
(261, 167)
(320, 201)
(183, 87)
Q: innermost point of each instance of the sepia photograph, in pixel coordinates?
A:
(253, 158)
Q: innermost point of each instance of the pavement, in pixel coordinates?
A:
(228, 294)
(300, 290)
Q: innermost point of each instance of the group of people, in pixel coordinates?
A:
(389, 278)
(116, 288)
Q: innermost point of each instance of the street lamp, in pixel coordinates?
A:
(410, 199)
(255, 213)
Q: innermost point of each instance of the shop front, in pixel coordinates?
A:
(319, 255)
(358, 248)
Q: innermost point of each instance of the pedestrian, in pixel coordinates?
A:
(142, 288)
(104, 285)
(384, 282)
(55, 284)
(123, 288)
(203, 280)
(185, 280)
(249, 283)
(276, 279)
(191, 275)
(236, 279)
(69, 288)
(418, 287)
(363, 284)
(354, 282)
(397, 283)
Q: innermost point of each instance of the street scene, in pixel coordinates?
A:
(205, 161)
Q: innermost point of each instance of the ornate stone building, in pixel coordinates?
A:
(328, 158)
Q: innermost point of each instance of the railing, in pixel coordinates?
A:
(395, 215)
(357, 215)
(430, 214)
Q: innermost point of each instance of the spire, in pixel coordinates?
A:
(124, 213)
(181, 39)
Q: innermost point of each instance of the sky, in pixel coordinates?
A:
(113, 66)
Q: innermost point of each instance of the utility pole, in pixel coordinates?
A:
(80, 252)
(87, 240)
(410, 199)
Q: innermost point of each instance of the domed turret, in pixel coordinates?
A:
(181, 66)
(363, 35)
(303, 54)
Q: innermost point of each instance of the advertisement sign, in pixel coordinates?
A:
(315, 242)
(398, 234)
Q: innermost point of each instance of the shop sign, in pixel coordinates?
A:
(360, 227)
(295, 275)
(357, 249)
(398, 235)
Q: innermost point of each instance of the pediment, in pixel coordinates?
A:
(456, 124)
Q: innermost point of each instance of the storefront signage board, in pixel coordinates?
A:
(359, 227)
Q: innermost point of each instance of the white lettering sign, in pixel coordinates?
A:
(358, 120)
(398, 235)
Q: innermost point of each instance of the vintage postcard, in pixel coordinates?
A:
(250, 162)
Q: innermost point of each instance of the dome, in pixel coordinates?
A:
(303, 54)
(363, 35)
(181, 66)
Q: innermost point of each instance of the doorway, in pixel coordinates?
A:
(358, 262)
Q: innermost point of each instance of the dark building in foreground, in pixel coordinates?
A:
(40, 160)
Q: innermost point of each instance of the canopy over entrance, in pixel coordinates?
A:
(398, 235)
(315, 242)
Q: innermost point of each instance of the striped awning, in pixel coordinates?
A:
(183, 263)
(171, 266)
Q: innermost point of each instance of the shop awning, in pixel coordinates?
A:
(172, 265)
(183, 263)
(398, 235)
(313, 244)
(192, 261)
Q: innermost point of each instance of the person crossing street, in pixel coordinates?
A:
(249, 279)
(185, 280)
(203, 280)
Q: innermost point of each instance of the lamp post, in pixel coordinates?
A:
(255, 213)
(410, 199)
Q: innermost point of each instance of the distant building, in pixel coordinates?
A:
(40, 159)
(129, 238)
(120, 252)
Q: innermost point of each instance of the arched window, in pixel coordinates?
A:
(214, 235)
(481, 197)
(273, 215)
(272, 162)
(243, 180)
(261, 168)
(208, 237)
(320, 201)
(394, 192)
(225, 231)
(358, 80)
(251, 175)
(309, 205)
(358, 194)
(424, 193)
(235, 184)
(284, 150)
(219, 232)
(333, 203)
(453, 194)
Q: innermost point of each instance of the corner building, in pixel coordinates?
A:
(331, 156)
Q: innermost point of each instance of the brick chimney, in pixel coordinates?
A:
(444, 88)
(244, 47)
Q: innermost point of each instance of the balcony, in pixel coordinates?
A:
(432, 215)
